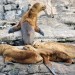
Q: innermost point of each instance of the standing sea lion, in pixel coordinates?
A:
(28, 24)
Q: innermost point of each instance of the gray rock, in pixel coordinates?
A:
(1, 8)
(7, 68)
(18, 14)
(8, 7)
(3, 2)
(10, 15)
(13, 6)
(14, 72)
(23, 72)
(43, 68)
(11, 1)
(2, 74)
(1, 60)
(1, 16)
(21, 66)
(42, 74)
(33, 69)
(24, 9)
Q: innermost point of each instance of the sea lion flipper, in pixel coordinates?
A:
(11, 30)
(15, 28)
(41, 32)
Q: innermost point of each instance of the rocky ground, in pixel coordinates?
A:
(35, 69)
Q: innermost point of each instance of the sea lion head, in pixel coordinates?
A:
(36, 8)
(39, 6)
(38, 44)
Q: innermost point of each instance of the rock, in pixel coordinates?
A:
(7, 68)
(10, 1)
(14, 6)
(1, 60)
(2, 74)
(18, 14)
(68, 18)
(1, 26)
(1, 16)
(1, 8)
(14, 71)
(10, 15)
(43, 68)
(3, 1)
(23, 72)
(41, 74)
(8, 7)
(12, 36)
(33, 69)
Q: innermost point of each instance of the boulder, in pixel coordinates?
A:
(10, 1)
(1, 16)
(1, 8)
(8, 7)
(10, 15)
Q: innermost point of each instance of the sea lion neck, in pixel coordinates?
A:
(32, 15)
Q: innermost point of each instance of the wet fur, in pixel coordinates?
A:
(66, 48)
(51, 55)
(13, 54)
(31, 17)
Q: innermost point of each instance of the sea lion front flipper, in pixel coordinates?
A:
(37, 29)
(11, 30)
(15, 28)
(41, 32)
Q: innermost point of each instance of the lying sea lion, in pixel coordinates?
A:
(66, 48)
(13, 54)
(51, 55)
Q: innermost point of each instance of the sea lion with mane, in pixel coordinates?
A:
(28, 23)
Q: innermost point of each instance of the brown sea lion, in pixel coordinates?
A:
(28, 23)
(66, 48)
(13, 54)
(51, 55)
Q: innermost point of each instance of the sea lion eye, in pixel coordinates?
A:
(28, 47)
(37, 45)
(35, 6)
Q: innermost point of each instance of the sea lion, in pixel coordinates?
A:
(13, 54)
(66, 48)
(28, 23)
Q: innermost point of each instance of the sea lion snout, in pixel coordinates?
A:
(44, 7)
